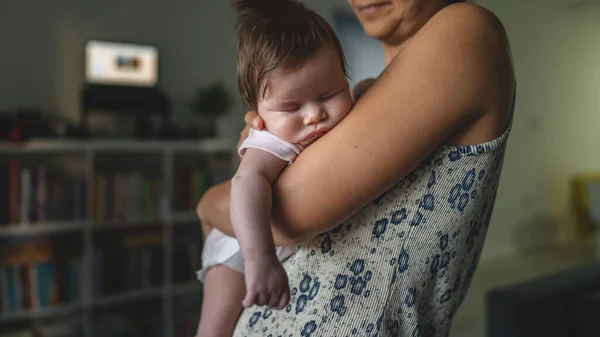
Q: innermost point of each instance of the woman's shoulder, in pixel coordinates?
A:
(469, 45)
(462, 30)
(469, 22)
(469, 13)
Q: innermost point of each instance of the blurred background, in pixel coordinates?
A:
(115, 117)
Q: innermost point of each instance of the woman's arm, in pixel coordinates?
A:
(453, 75)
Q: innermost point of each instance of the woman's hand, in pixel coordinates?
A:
(252, 120)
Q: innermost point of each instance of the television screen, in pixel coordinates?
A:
(116, 63)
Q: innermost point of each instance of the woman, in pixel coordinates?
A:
(391, 207)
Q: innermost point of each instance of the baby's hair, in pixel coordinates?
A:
(272, 35)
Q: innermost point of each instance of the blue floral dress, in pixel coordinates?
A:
(401, 266)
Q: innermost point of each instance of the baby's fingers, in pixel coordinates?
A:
(274, 301)
(264, 297)
(250, 299)
(284, 299)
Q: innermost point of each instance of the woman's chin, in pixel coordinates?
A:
(380, 31)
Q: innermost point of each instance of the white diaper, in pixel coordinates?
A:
(222, 249)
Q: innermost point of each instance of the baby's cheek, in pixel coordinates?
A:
(292, 131)
(342, 107)
(289, 129)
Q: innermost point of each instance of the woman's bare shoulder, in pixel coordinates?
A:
(475, 48)
(467, 43)
(467, 22)
(468, 14)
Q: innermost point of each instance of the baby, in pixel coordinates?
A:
(291, 70)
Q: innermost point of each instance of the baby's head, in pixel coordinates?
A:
(291, 68)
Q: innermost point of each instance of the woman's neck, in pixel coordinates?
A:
(390, 51)
(398, 41)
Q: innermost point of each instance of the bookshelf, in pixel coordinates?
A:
(92, 232)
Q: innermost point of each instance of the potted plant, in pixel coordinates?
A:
(210, 103)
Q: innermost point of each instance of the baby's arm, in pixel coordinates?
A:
(250, 212)
(251, 202)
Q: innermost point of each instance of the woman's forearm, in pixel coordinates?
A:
(213, 211)
(213, 208)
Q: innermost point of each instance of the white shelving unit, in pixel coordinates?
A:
(166, 154)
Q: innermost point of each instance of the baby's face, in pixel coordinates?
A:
(304, 103)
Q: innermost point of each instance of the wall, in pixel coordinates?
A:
(556, 47)
(42, 61)
(358, 47)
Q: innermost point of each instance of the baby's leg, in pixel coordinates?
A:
(224, 290)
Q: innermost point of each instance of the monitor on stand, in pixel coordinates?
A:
(122, 78)
(121, 64)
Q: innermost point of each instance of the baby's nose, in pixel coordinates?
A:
(315, 115)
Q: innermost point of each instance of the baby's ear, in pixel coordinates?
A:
(361, 87)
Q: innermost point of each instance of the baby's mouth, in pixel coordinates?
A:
(313, 136)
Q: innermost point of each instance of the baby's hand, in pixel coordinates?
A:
(266, 283)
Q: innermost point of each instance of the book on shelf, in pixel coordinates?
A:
(41, 277)
(31, 194)
(186, 261)
(32, 278)
(133, 196)
(191, 183)
(134, 263)
(40, 194)
(187, 311)
(65, 326)
(146, 322)
(126, 196)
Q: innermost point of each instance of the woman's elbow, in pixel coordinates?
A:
(203, 206)
(290, 233)
(213, 203)
(200, 210)
(289, 239)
